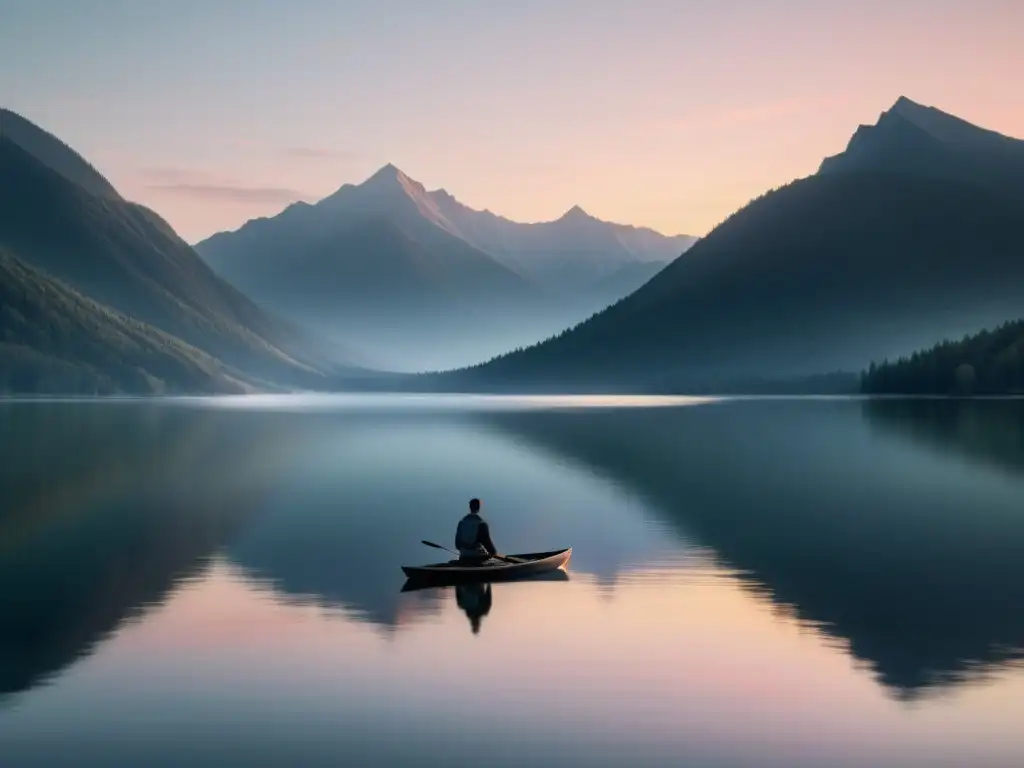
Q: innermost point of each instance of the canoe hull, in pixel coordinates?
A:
(453, 572)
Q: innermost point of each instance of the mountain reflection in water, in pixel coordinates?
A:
(912, 563)
(105, 511)
(892, 528)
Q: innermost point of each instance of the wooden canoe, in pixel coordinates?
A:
(455, 572)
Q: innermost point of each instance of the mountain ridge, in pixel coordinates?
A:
(390, 186)
(912, 138)
(391, 174)
(59, 215)
(447, 282)
(576, 238)
(824, 273)
(55, 340)
(55, 154)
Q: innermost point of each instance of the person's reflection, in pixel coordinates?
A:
(475, 602)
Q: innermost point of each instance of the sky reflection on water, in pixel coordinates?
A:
(753, 583)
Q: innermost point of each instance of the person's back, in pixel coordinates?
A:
(473, 535)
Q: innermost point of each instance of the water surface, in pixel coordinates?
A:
(777, 582)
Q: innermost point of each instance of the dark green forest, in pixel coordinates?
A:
(125, 257)
(987, 363)
(53, 340)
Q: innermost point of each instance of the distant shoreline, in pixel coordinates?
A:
(607, 399)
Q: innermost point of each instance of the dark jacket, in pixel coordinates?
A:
(473, 537)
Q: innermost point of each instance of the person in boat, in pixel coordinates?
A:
(473, 537)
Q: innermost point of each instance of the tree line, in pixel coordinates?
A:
(987, 363)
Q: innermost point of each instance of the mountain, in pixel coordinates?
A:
(872, 257)
(59, 215)
(375, 267)
(924, 141)
(624, 281)
(54, 340)
(55, 154)
(567, 253)
(418, 280)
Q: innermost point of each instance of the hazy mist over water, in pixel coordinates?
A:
(754, 582)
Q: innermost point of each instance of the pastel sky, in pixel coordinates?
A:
(668, 113)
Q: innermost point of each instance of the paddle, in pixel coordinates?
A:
(497, 557)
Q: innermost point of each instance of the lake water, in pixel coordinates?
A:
(775, 582)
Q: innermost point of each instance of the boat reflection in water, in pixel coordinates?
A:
(476, 598)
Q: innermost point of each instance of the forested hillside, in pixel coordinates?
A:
(987, 363)
(53, 340)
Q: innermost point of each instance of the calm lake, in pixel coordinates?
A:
(761, 582)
